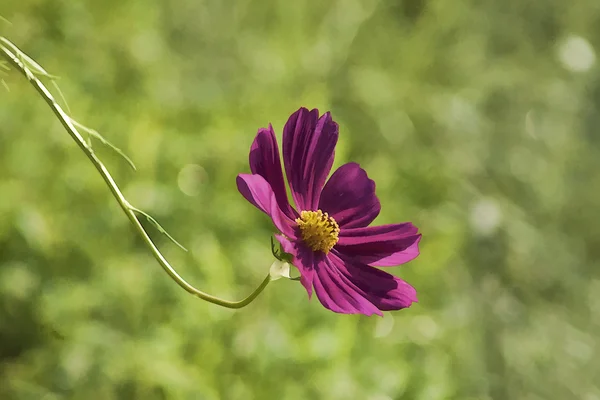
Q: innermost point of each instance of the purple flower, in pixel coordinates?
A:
(329, 237)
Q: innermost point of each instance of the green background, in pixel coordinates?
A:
(477, 119)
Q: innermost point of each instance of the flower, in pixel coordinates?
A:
(329, 238)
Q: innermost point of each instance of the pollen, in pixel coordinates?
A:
(319, 231)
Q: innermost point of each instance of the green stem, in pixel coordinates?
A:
(129, 210)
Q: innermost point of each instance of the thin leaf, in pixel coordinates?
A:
(62, 96)
(159, 227)
(37, 69)
(105, 142)
(27, 61)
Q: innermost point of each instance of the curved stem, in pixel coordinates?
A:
(129, 210)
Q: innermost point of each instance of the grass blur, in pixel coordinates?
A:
(478, 121)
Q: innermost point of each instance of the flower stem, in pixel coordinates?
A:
(18, 59)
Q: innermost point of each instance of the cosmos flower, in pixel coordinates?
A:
(328, 233)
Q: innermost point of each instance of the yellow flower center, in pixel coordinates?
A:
(319, 231)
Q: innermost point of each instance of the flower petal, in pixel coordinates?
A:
(382, 246)
(258, 192)
(264, 161)
(304, 260)
(308, 152)
(383, 290)
(349, 197)
(339, 294)
(345, 286)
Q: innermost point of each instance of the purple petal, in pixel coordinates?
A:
(349, 197)
(264, 161)
(382, 246)
(337, 293)
(304, 260)
(308, 152)
(258, 192)
(383, 290)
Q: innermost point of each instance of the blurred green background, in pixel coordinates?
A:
(477, 119)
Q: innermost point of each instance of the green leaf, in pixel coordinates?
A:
(158, 226)
(94, 133)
